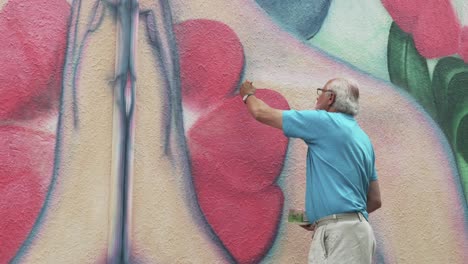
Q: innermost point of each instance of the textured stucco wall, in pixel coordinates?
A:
(122, 138)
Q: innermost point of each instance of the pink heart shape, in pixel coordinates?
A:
(235, 160)
(235, 164)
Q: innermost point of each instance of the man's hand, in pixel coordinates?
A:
(247, 88)
(309, 227)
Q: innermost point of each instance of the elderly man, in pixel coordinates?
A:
(341, 184)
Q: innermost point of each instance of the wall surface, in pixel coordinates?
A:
(123, 138)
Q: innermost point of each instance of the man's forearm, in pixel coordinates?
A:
(257, 108)
(263, 113)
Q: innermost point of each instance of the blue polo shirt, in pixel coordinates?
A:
(340, 161)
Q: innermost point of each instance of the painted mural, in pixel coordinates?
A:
(123, 138)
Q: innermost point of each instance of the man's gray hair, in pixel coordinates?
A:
(346, 95)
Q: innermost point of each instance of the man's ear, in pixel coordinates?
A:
(331, 98)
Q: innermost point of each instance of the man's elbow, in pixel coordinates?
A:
(375, 204)
(378, 204)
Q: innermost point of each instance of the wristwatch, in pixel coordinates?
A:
(245, 97)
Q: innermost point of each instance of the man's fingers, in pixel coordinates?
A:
(309, 227)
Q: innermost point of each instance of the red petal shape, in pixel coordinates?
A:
(211, 61)
(463, 49)
(437, 31)
(26, 160)
(235, 163)
(433, 24)
(405, 12)
(32, 53)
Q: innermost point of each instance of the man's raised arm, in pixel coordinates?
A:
(261, 111)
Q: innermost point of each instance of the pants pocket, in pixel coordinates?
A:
(317, 252)
(323, 242)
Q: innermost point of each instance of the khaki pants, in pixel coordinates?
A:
(345, 238)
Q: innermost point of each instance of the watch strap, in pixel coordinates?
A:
(245, 97)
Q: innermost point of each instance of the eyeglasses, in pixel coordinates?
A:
(321, 90)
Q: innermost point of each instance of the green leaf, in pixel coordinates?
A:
(408, 69)
(450, 86)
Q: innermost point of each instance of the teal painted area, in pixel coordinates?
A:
(450, 86)
(357, 34)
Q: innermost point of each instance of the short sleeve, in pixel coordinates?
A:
(305, 124)
(373, 176)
